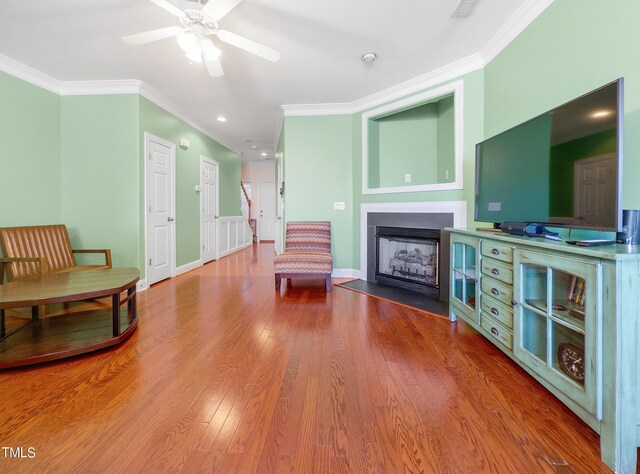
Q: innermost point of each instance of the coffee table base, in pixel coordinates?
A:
(67, 335)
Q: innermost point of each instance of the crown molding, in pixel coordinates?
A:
(436, 77)
(433, 78)
(303, 110)
(28, 74)
(522, 18)
(126, 86)
(528, 12)
(163, 102)
(107, 87)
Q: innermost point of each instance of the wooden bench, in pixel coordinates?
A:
(38, 250)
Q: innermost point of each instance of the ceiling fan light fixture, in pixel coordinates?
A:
(209, 51)
(189, 42)
(194, 56)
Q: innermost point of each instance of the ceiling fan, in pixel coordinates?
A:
(199, 22)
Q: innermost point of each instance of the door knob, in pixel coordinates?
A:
(170, 219)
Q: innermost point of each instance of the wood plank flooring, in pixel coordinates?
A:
(224, 375)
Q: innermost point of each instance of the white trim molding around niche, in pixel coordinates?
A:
(457, 89)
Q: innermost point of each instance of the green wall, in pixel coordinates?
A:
(446, 140)
(418, 141)
(572, 48)
(159, 122)
(318, 167)
(29, 155)
(408, 143)
(324, 164)
(99, 192)
(78, 160)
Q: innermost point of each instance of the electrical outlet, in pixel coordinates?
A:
(407, 177)
(339, 206)
(446, 174)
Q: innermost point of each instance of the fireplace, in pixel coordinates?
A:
(422, 221)
(408, 258)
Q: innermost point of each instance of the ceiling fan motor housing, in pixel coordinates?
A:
(194, 17)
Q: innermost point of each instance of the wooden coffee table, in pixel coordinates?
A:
(56, 337)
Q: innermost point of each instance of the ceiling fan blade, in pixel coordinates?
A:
(153, 35)
(214, 67)
(216, 9)
(210, 55)
(168, 6)
(249, 45)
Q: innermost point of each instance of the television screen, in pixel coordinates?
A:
(562, 168)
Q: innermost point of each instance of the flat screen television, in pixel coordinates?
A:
(562, 168)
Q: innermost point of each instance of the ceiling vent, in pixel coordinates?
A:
(464, 8)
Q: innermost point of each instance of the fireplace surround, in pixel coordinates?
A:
(414, 220)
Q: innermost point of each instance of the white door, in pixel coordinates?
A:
(594, 190)
(161, 157)
(209, 203)
(267, 210)
(280, 207)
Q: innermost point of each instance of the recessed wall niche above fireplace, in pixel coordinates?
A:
(402, 245)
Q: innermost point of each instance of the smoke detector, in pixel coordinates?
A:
(369, 57)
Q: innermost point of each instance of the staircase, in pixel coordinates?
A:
(246, 211)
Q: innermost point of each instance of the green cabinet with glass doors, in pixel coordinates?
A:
(567, 315)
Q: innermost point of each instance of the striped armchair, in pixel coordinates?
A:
(307, 252)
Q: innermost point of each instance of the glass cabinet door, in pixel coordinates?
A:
(558, 323)
(464, 283)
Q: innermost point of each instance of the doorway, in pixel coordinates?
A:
(160, 165)
(267, 211)
(209, 205)
(594, 190)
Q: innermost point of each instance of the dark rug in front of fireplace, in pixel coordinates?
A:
(399, 295)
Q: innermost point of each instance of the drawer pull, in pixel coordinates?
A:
(495, 311)
(495, 251)
(494, 331)
(514, 303)
(495, 271)
(494, 291)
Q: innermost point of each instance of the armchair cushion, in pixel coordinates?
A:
(307, 252)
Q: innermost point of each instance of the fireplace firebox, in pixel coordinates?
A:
(408, 258)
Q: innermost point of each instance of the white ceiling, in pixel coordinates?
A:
(320, 42)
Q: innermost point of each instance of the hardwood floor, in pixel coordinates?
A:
(224, 375)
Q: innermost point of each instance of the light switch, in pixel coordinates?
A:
(197, 188)
(339, 206)
(407, 177)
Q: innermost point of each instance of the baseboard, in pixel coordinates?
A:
(188, 267)
(242, 247)
(142, 285)
(345, 273)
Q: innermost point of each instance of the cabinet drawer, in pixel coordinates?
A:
(497, 331)
(497, 250)
(497, 290)
(497, 270)
(497, 310)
